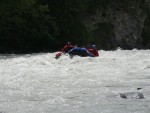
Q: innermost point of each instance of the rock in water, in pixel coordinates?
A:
(132, 95)
(139, 88)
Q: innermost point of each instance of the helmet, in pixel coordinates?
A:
(94, 46)
(68, 43)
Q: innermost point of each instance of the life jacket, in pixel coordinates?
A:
(66, 48)
(94, 52)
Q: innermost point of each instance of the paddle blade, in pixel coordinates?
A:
(58, 55)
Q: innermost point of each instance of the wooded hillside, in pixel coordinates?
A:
(46, 25)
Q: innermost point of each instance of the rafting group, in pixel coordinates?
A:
(72, 50)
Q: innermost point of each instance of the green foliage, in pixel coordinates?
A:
(37, 25)
(146, 33)
(68, 16)
(102, 35)
(25, 26)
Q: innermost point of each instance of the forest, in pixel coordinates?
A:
(29, 26)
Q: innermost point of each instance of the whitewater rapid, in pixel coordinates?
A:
(39, 83)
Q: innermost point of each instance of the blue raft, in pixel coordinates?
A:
(83, 52)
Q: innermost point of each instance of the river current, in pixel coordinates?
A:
(39, 83)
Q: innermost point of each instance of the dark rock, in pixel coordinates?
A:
(132, 95)
(123, 96)
(139, 88)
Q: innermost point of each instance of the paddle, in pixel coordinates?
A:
(58, 55)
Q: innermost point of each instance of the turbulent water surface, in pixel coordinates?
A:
(111, 83)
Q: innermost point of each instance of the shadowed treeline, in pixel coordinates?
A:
(28, 26)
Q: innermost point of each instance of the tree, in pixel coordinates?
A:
(25, 26)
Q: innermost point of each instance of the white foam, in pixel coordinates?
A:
(39, 83)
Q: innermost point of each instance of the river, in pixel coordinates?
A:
(39, 83)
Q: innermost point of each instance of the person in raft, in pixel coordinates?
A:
(93, 50)
(67, 47)
(80, 51)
